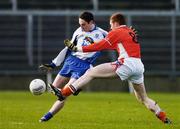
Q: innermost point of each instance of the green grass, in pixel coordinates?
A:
(22, 110)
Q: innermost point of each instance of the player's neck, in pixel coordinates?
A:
(93, 27)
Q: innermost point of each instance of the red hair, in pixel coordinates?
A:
(119, 18)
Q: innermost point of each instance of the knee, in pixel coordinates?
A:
(146, 101)
(143, 99)
(89, 73)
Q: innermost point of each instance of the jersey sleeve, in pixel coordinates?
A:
(107, 43)
(74, 37)
(60, 57)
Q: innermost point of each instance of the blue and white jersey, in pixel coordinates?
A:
(77, 63)
(82, 38)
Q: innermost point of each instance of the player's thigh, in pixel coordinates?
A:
(71, 80)
(102, 70)
(60, 81)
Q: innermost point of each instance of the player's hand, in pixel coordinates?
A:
(70, 45)
(134, 30)
(47, 67)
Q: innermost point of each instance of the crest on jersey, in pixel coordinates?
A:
(89, 40)
(96, 36)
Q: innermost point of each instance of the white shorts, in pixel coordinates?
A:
(132, 70)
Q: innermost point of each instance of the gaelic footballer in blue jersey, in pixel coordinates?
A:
(75, 63)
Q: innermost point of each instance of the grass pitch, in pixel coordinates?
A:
(22, 110)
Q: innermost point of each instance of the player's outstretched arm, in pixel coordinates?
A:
(55, 62)
(60, 57)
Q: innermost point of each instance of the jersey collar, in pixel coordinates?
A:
(121, 26)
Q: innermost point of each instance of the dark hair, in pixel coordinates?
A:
(87, 16)
(119, 18)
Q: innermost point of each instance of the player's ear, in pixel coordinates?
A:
(91, 22)
(116, 24)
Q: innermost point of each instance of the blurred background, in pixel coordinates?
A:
(32, 33)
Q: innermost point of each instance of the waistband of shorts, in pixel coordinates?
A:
(120, 60)
(123, 59)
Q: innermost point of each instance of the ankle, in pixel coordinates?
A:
(48, 115)
(161, 115)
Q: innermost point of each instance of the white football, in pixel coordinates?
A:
(37, 86)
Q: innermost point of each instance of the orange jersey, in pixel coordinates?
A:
(121, 39)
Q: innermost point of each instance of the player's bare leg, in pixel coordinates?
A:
(141, 95)
(100, 71)
(103, 70)
(58, 105)
(60, 81)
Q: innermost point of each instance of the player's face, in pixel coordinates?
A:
(85, 25)
(113, 25)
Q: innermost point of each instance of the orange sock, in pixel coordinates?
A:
(162, 116)
(67, 91)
